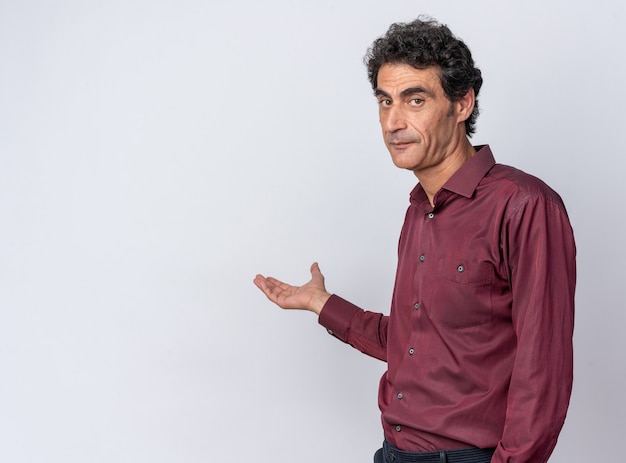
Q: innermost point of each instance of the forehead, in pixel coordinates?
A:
(394, 78)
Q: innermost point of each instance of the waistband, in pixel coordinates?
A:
(470, 455)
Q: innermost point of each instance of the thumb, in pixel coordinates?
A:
(315, 271)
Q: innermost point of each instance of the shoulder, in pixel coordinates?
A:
(520, 188)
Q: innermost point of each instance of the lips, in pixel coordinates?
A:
(400, 141)
(400, 144)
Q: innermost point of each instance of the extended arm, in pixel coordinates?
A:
(366, 331)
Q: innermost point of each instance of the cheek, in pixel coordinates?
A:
(382, 120)
(432, 126)
(421, 124)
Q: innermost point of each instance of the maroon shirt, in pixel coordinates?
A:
(479, 337)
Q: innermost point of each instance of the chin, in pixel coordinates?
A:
(402, 163)
(405, 166)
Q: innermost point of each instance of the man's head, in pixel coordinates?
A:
(425, 43)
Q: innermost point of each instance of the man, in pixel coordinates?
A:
(479, 337)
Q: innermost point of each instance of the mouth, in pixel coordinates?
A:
(399, 145)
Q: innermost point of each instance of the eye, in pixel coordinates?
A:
(384, 102)
(416, 101)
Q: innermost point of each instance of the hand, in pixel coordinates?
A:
(310, 296)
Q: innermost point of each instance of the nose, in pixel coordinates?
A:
(392, 119)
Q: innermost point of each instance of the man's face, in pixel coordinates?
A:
(421, 127)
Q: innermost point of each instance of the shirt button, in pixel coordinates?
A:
(398, 428)
(330, 332)
(431, 215)
(411, 351)
(422, 258)
(460, 268)
(399, 396)
(416, 305)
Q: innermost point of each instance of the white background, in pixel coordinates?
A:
(156, 155)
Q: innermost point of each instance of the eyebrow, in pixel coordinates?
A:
(404, 93)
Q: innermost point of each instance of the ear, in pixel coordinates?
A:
(465, 106)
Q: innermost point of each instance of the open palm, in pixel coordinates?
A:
(310, 296)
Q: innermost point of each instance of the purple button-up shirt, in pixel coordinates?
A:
(479, 337)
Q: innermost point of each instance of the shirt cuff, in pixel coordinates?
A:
(336, 316)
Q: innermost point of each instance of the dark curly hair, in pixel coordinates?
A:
(424, 43)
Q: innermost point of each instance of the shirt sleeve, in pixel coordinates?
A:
(363, 330)
(540, 253)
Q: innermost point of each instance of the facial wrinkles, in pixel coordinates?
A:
(403, 134)
(406, 133)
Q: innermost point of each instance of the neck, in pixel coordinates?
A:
(433, 178)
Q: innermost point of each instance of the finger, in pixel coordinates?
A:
(271, 290)
(277, 283)
(316, 273)
(267, 283)
(260, 282)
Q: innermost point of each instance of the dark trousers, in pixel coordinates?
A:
(390, 454)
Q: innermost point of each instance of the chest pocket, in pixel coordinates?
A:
(462, 293)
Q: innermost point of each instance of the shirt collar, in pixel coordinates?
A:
(466, 179)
